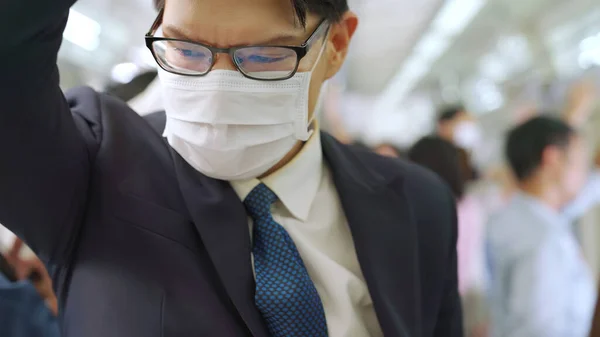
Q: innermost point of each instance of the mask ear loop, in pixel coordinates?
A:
(305, 128)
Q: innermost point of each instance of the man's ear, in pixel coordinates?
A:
(340, 35)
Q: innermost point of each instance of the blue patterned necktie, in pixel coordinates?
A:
(285, 294)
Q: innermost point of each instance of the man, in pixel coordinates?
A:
(541, 284)
(149, 236)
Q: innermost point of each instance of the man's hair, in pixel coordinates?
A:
(331, 10)
(526, 143)
(443, 158)
(449, 113)
(469, 172)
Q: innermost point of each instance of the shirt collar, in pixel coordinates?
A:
(296, 183)
(546, 212)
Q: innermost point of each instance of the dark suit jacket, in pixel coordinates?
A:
(595, 332)
(141, 244)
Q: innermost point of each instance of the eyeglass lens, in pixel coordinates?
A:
(183, 57)
(257, 62)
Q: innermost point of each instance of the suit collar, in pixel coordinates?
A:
(384, 233)
(349, 165)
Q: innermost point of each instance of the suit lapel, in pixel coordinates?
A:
(384, 235)
(221, 220)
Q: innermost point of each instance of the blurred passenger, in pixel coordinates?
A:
(541, 285)
(30, 267)
(595, 331)
(468, 171)
(495, 186)
(458, 126)
(27, 303)
(387, 150)
(231, 214)
(443, 158)
(581, 101)
(450, 164)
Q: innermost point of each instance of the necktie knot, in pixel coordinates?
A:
(258, 202)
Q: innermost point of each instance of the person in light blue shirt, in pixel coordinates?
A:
(23, 312)
(27, 304)
(541, 285)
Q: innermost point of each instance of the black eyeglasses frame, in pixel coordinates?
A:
(301, 51)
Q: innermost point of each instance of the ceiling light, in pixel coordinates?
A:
(455, 15)
(592, 42)
(589, 52)
(432, 46)
(449, 22)
(82, 31)
(494, 67)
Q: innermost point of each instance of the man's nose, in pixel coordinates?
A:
(223, 62)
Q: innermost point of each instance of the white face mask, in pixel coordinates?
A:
(230, 127)
(467, 135)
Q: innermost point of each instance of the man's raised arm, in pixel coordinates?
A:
(44, 164)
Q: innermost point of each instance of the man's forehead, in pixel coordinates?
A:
(277, 12)
(226, 23)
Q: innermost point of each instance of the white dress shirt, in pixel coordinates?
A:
(310, 210)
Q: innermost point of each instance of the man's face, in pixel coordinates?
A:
(230, 23)
(574, 169)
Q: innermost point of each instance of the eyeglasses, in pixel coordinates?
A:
(261, 62)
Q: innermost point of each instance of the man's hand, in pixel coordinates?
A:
(33, 269)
